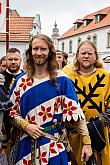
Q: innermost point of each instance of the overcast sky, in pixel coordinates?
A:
(65, 12)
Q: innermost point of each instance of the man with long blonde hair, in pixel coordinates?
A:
(92, 85)
(43, 96)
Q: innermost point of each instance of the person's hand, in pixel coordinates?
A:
(35, 131)
(86, 152)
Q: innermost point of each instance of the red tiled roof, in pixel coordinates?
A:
(92, 25)
(19, 28)
(79, 21)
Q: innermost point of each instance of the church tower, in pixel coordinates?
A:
(55, 35)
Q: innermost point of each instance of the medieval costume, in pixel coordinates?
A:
(93, 93)
(41, 103)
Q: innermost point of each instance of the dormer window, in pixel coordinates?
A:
(75, 26)
(77, 23)
(86, 22)
(99, 17)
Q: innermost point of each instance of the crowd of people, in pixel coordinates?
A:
(41, 127)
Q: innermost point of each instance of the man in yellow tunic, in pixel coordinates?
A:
(92, 84)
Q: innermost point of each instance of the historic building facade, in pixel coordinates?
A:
(21, 29)
(95, 27)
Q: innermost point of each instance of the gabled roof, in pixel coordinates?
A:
(13, 13)
(92, 25)
(19, 27)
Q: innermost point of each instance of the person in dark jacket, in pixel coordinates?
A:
(13, 70)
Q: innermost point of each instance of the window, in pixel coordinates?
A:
(89, 37)
(34, 27)
(97, 18)
(108, 40)
(63, 46)
(85, 23)
(79, 40)
(70, 47)
(95, 40)
(75, 26)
